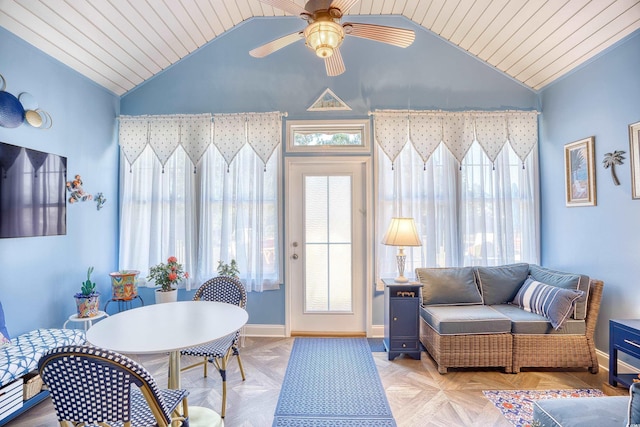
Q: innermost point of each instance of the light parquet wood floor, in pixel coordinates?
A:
(417, 393)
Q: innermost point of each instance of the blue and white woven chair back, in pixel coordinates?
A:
(222, 289)
(92, 385)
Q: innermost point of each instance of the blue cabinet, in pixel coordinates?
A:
(624, 336)
(401, 319)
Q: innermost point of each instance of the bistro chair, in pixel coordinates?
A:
(90, 385)
(221, 289)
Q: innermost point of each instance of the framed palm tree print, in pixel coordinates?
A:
(634, 145)
(579, 171)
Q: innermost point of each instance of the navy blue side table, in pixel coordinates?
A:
(624, 336)
(402, 318)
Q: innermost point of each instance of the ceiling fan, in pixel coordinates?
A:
(324, 34)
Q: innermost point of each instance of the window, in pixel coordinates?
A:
(336, 136)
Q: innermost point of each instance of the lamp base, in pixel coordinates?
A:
(401, 279)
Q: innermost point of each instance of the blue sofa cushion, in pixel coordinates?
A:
(634, 405)
(581, 411)
(554, 303)
(3, 325)
(448, 286)
(22, 356)
(499, 285)
(465, 320)
(567, 281)
(525, 322)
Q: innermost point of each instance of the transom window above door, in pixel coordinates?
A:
(328, 136)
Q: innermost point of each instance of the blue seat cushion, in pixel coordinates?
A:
(465, 320)
(634, 405)
(22, 356)
(581, 411)
(525, 322)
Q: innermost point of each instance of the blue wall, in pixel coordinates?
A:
(41, 274)
(222, 77)
(600, 99)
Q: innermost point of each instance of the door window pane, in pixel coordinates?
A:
(328, 248)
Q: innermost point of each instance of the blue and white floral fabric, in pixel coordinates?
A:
(25, 350)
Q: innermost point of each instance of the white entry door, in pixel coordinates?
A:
(326, 245)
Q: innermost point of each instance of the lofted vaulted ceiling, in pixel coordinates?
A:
(121, 43)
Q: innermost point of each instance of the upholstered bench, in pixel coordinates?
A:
(19, 356)
(589, 411)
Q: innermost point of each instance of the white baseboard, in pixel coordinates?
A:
(275, 331)
(377, 331)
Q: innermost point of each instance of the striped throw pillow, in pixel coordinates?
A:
(556, 304)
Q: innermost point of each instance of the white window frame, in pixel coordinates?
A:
(361, 125)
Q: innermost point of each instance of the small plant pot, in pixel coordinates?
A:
(166, 296)
(88, 306)
(124, 285)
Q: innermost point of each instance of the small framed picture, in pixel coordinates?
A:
(579, 172)
(634, 149)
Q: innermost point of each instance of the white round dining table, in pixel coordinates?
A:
(168, 327)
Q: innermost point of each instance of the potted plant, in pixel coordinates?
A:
(230, 269)
(167, 276)
(124, 285)
(88, 299)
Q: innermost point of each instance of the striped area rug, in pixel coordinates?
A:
(332, 382)
(516, 405)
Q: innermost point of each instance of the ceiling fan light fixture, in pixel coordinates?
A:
(323, 36)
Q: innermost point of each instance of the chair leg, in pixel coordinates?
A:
(205, 366)
(237, 353)
(223, 374)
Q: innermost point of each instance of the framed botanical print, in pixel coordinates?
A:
(579, 172)
(634, 149)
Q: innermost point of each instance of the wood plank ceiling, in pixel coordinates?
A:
(121, 43)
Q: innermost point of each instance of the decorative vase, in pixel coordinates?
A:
(124, 285)
(166, 296)
(88, 305)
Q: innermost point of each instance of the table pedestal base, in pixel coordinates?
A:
(204, 417)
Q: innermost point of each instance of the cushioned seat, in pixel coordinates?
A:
(525, 322)
(465, 320)
(581, 411)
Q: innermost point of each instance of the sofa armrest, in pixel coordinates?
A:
(593, 306)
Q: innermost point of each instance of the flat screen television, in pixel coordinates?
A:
(32, 192)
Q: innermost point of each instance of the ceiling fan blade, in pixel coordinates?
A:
(343, 5)
(287, 6)
(334, 64)
(391, 35)
(277, 44)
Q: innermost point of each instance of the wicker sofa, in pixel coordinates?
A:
(470, 317)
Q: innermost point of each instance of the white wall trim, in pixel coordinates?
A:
(276, 331)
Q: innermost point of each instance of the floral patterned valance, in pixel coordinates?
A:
(457, 130)
(195, 132)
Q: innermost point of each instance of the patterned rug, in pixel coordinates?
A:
(516, 405)
(332, 382)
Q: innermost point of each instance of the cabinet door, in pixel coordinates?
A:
(404, 316)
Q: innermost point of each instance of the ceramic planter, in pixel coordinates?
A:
(88, 305)
(168, 296)
(124, 285)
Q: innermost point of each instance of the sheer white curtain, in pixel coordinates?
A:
(427, 193)
(498, 208)
(158, 216)
(239, 217)
(473, 203)
(201, 202)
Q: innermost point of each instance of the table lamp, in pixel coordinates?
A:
(402, 232)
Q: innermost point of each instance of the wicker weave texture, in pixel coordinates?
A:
(519, 350)
(562, 351)
(467, 351)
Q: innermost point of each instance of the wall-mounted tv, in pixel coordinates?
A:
(32, 192)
